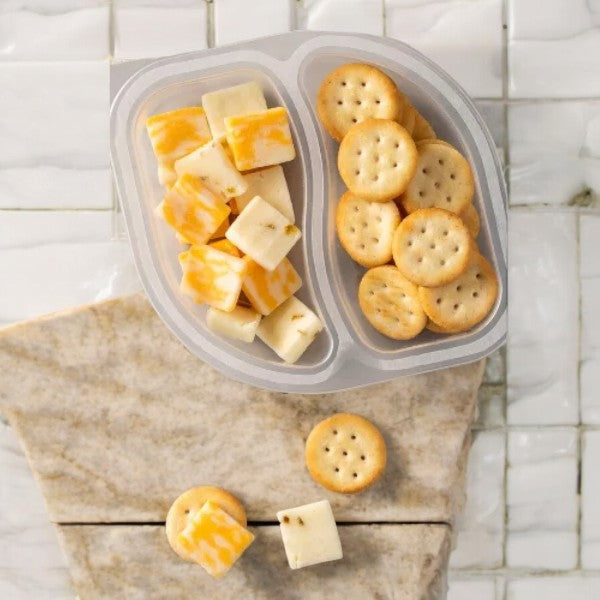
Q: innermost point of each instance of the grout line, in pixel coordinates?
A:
(384, 17)
(210, 23)
(579, 434)
(111, 31)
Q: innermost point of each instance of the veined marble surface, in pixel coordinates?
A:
(536, 76)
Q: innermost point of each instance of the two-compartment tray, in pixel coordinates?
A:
(349, 352)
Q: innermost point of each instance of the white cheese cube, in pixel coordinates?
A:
(237, 100)
(271, 186)
(290, 329)
(240, 324)
(263, 233)
(211, 164)
(310, 535)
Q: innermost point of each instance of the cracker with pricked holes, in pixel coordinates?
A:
(390, 302)
(365, 229)
(443, 179)
(422, 129)
(432, 247)
(355, 92)
(435, 328)
(470, 218)
(377, 160)
(345, 453)
(461, 304)
(432, 140)
(408, 117)
(191, 501)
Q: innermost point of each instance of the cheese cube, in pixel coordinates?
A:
(193, 210)
(237, 100)
(211, 164)
(240, 324)
(214, 539)
(263, 233)
(260, 139)
(266, 290)
(290, 329)
(225, 245)
(310, 535)
(221, 230)
(271, 186)
(212, 276)
(173, 135)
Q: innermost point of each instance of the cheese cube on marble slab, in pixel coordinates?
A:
(239, 324)
(260, 139)
(173, 135)
(212, 276)
(226, 246)
(271, 186)
(237, 100)
(263, 233)
(309, 534)
(290, 329)
(193, 210)
(266, 290)
(214, 539)
(211, 164)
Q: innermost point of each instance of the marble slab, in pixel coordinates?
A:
(404, 562)
(117, 418)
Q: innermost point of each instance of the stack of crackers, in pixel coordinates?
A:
(408, 215)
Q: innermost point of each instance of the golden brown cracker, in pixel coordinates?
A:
(470, 218)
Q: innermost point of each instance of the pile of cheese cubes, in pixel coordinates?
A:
(227, 198)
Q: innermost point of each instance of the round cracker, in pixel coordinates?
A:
(353, 93)
(443, 179)
(460, 305)
(345, 453)
(470, 218)
(366, 229)
(435, 328)
(390, 302)
(423, 129)
(426, 141)
(408, 117)
(432, 247)
(193, 500)
(377, 160)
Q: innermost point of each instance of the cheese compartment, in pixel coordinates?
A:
(289, 68)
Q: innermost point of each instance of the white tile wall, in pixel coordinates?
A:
(462, 36)
(151, 28)
(480, 588)
(542, 499)
(554, 49)
(364, 16)
(266, 17)
(590, 502)
(542, 352)
(590, 351)
(554, 152)
(574, 587)
(481, 526)
(72, 30)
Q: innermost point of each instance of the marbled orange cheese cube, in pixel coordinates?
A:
(193, 210)
(173, 135)
(266, 290)
(212, 276)
(260, 139)
(214, 539)
(226, 246)
(221, 230)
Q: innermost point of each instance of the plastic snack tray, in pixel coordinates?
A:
(348, 353)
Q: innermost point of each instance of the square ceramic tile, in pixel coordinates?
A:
(71, 30)
(238, 20)
(360, 16)
(542, 499)
(464, 37)
(589, 244)
(54, 124)
(491, 406)
(493, 114)
(542, 348)
(481, 525)
(153, 28)
(51, 277)
(495, 367)
(590, 500)
(554, 152)
(554, 52)
(27, 536)
(479, 588)
(27, 228)
(566, 587)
